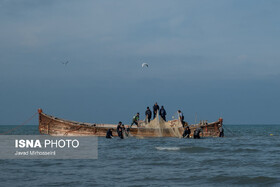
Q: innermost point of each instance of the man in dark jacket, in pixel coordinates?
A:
(156, 109)
(162, 113)
(148, 114)
(109, 133)
(120, 130)
(196, 133)
(187, 132)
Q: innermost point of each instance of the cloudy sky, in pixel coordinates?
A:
(210, 57)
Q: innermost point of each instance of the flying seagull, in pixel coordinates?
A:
(65, 63)
(145, 64)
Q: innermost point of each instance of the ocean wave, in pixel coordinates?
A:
(191, 149)
(168, 148)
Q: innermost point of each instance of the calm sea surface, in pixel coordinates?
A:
(248, 156)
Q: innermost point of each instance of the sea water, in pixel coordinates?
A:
(248, 155)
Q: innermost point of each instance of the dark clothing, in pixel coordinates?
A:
(187, 133)
(162, 113)
(119, 127)
(120, 134)
(221, 132)
(182, 117)
(196, 133)
(109, 134)
(183, 122)
(134, 122)
(148, 114)
(155, 108)
(124, 131)
(120, 131)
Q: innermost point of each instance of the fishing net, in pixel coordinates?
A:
(160, 128)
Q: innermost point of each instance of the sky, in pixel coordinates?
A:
(209, 58)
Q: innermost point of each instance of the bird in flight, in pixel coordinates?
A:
(65, 63)
(145, 64)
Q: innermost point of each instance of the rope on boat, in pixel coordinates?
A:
(25, 122)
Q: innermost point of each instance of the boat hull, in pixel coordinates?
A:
(59, 127)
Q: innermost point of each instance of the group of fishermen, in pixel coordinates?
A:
(197, 131)
(148, 114)
(156, 109)
(187, 133)
(121, 130)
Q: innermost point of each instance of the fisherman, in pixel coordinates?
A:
(109, 133)
(120, 130)
(148, 114)
(124, 131)
(221, 131)
(187, 132)
(162, 113)
(196, 133)
(181, 118)
(156, 109)
(135, 120)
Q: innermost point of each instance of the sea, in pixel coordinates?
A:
(248, 155)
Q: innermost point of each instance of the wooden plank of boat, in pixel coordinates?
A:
(60, 127)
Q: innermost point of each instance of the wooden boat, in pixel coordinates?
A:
(59, 127)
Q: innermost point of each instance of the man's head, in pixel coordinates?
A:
(120, 123)
(148, 108)
(162, 107)
(156, 103)
(179, 111)
(137, 113)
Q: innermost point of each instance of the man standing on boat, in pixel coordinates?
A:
(135, 120)
(181, 117)
(148, 114)
(162, 113)
(156, 109)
